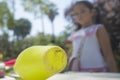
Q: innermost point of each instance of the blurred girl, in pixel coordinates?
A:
(91, 45)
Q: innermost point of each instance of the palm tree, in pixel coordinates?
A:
(52, 13)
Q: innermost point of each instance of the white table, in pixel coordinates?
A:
(86, 76)
(79, 76)
(7, 78)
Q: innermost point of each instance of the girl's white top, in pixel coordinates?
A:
(90, 56)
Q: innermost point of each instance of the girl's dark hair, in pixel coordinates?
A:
(89, 5)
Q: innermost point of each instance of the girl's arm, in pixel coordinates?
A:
(105, 44)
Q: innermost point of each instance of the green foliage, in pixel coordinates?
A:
(38, 6)
(4, 40)
(39, 39)
(35, 6)
(4, 13)
(22, 28)
(12, 49)
(11, 22)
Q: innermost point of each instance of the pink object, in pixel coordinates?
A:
(10, 62)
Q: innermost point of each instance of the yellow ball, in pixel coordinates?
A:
(40, 62)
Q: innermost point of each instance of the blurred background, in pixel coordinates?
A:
(24, 23)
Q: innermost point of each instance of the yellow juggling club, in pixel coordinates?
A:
(40, 62)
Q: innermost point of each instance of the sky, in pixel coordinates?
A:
(59, 22)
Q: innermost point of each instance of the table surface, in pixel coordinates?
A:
(79, 76)
(7, 78)
(86, 76)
